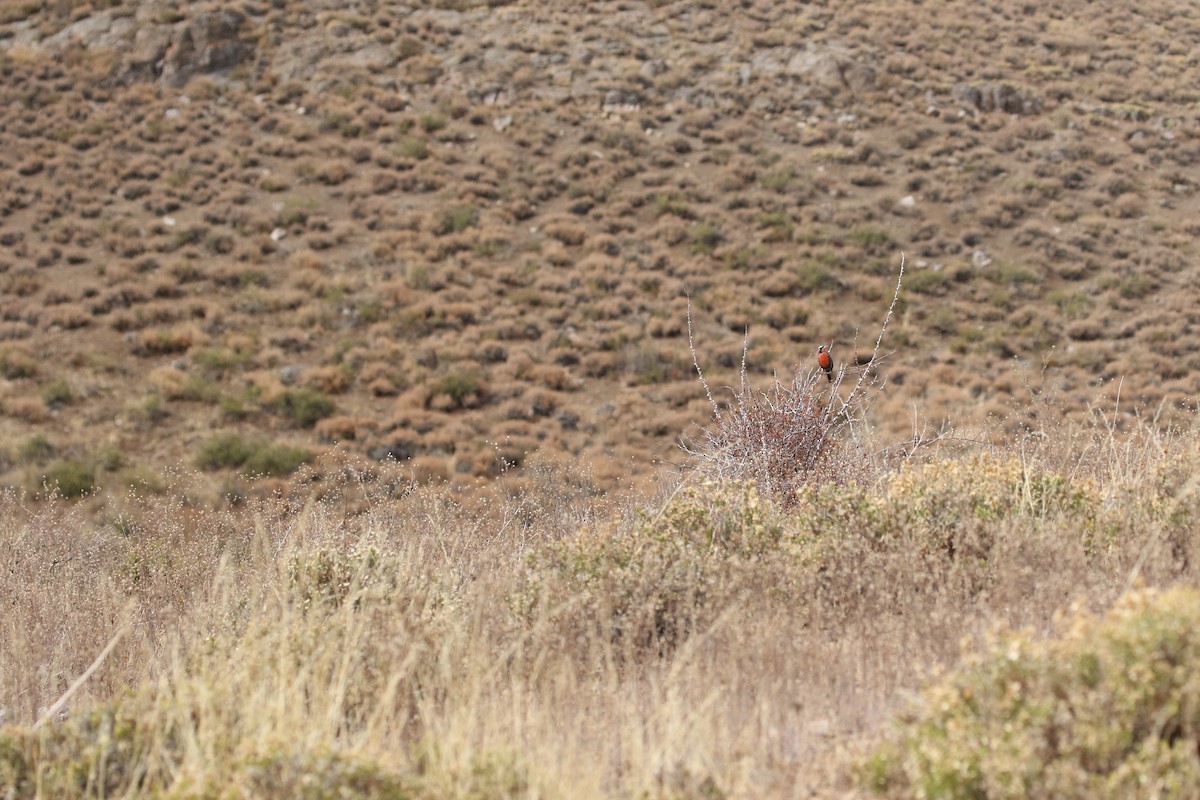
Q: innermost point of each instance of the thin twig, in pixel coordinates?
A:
(51, 712)
(696, 361)
(866, 370)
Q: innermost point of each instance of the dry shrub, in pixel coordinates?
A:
(170, 341)
(568, 233)
(338, 429)
(169, 381)
(330, 379)
(647, 588)
(806, 432)
(27, 409)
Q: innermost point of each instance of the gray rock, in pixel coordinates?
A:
(400, 450)
(832, 66)
(104, 30)
(622, 99)
(143, 62)
(1003, 97)
(208, 42)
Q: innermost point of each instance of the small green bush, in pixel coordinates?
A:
(457, 219)
(253, 456)
(432, 123)
(460, 384)
(16, 365)
(72, 477)
(928, 281)
(120, 750)
(227, 451)
(875, 241)
(219, 360)
(305, 407)
(670, 204)
(57, 392)
(413, 147)
(813, 276)
(705, 237)
(670, 575)
(1112, 709)
(36, 449)
(276, 460)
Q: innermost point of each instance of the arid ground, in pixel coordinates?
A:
(464, 236)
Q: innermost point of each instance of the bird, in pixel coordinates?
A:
(825, 361)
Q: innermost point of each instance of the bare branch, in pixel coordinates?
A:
(866, 370)
(696, 360)
(793, 433)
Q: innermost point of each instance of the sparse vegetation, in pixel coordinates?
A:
(70, 478)
(458, 219)
(304, 407)
(477, 230)
(252, 455)
(341, 626)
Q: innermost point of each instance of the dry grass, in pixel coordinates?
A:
(550, 643)
(476, 258)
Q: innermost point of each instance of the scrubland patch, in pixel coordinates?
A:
(382, 637)
(408, 257)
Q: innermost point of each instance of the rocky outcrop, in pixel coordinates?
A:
(831, 66)
(1003, 97)
(210, 42)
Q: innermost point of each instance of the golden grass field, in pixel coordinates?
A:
(353, 443)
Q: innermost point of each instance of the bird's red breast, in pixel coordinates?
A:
(824, 360)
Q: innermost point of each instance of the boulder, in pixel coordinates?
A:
(208, 42)
(831, 66)
(1003, 97)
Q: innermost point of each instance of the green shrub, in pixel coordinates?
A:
(36, 448)
(875, 241)
(254, 457)
(457, 219)
(813, 276)
(305, 407)
(413, 147)
(669, 575)
(705, 237)
(227, 451)
(670, 204)
(275, 460)
(121, 750)
(72, 477)
(219, 360)
(1112, 709)
(16, 365)
(462, 386)
(432, 123)
(778, 222)
(927, 281)
(57, 392)
(779, 181)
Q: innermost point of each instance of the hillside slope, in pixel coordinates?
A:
(460, 235)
